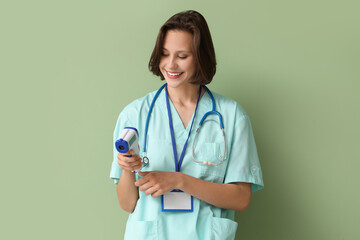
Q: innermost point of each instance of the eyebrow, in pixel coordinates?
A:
(180, 51)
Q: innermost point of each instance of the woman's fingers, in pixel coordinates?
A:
(152, 191)
(129, 156)
(129, 163)
(149, 187)
(125, 157)
(145, 186)
(155, 183)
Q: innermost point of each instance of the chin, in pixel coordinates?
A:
(174, 84)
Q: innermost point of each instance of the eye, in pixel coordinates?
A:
(183, 57)
(164, 54)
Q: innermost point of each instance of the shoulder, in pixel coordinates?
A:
(135, 107)
(229, 106)
(135, 111)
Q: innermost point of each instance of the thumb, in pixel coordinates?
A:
(143, 174)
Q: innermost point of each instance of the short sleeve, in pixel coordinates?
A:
(244, 165)
(115, 171)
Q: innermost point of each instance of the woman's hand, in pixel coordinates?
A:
(129, 163)
(157, 183)
(234, 196)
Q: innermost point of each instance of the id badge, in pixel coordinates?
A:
(176, 201)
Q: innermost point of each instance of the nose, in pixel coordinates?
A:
(172, 64)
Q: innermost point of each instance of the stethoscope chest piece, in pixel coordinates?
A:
(145, 160)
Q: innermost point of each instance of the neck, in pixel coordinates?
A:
(184, 95)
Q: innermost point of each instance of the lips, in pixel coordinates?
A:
(173, 75)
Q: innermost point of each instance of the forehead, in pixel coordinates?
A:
(177, 40)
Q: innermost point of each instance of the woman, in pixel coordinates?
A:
(211, 179)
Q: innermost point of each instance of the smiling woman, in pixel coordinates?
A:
(177, 61)
(199, 187)
(198, 43)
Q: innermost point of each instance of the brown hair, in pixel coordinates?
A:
(202, 45)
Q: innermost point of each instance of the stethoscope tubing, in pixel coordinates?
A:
(148, 117)
(213, 111)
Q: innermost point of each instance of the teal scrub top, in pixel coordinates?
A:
(241, 164)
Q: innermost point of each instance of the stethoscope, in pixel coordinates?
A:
(213, 111)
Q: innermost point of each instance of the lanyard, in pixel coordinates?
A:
(178, 163)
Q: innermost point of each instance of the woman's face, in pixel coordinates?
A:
(177, 60)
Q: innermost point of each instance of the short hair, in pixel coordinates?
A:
(202, 45)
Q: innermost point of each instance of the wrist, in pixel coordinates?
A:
(128, 172)
(180, 179)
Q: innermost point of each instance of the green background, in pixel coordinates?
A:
(69, 67)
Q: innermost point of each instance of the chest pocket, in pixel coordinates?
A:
(211, 152)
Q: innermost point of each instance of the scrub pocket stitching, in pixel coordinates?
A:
(223, 228)
(211, 152)
(142, 230)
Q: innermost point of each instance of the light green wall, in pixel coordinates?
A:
(69, 67)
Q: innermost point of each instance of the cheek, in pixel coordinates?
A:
(190, 67)
(162, 65)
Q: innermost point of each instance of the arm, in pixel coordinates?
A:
(126, 190)
(231, 196)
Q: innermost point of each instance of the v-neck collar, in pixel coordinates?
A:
(204, 106)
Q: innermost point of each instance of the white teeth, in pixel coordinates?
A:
(174, 74)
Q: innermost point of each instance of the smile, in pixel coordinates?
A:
(173, 75)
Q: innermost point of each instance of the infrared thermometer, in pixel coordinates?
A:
(128, 139)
